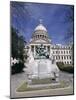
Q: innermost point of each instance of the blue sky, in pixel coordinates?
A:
(25, 17)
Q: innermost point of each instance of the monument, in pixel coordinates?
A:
(42, 66)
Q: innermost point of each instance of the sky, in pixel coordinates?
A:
(25, 17)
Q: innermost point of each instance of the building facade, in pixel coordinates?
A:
(60, 53)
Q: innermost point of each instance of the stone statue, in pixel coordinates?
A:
(40, 68)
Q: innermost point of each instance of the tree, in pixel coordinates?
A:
(14, 43)
(21, 45)
(17, 50)
(17, 44)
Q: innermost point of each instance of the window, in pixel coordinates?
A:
(56, 52)
(67, 57)
(48, 48)
(53, 52)
(67, 52)
(43, 36)
(70, 57)
(32, 48)
(56, 57)
(67, 62)
(70, 52)
(45, 47)
(38, 36)
(59, 57)
(64, 57)
(64, 52)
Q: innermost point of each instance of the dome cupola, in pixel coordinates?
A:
(40, 27)
(40, 32)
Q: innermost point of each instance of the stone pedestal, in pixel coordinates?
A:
(43, 68)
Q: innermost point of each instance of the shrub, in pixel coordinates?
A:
(17, 68)
(66, 68)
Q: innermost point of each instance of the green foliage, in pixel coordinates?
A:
(17, 50)
(66, 68)
(14, 43)
(17, 44)
(17, 68)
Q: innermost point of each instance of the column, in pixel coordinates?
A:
(34, 50)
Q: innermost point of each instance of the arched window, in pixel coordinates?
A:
(48, 47)
(32, 48)
(53, 52)
(67, 57)
(67, 52)
(40, 35)
(64, 57)
(43, 36)
(59, 57)
(64, 52)
(56, 52)
(67, 62)
(70, 57)
(56, 57)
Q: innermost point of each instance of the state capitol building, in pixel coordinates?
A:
(60, 53)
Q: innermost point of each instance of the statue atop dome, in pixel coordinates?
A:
(40, 20)
(40, 27)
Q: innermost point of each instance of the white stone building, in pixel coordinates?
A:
(60, 53)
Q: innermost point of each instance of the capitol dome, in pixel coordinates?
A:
(40, 27)
(40, 32)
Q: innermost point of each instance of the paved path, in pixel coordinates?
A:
(18, 79)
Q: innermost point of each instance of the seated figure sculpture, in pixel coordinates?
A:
(41, 52)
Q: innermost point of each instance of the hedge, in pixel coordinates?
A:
(17, 68)
(65, 67)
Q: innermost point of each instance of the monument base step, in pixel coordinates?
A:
(42, 81)
(43, 85)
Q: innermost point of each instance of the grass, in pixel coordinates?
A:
(24, 87)
(42, 81)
